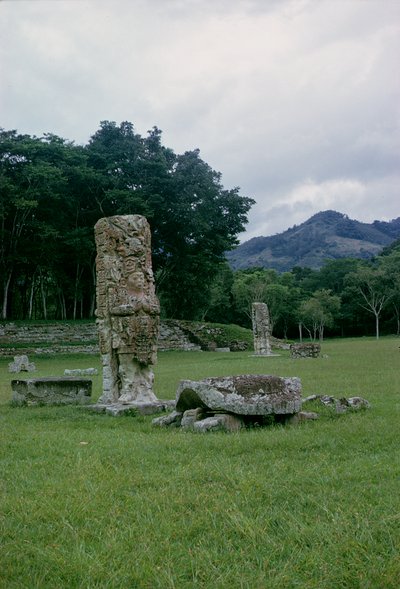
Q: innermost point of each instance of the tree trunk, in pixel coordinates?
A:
(30, 311)
(377, 325)
(5, 296)
(300, 332)
(44, 302)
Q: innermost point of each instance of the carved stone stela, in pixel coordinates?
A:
(127, 309)
(261, 329)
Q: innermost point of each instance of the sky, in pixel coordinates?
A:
(297, 102)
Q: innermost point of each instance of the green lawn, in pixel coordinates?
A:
(93, 501)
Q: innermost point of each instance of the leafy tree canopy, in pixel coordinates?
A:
(53, 192)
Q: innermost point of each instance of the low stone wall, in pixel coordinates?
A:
(63, 338)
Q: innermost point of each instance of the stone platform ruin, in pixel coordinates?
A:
(52, 390)
(232, 401)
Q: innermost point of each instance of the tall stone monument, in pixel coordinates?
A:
(261, 329)
(127, 310)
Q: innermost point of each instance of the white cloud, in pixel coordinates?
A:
(295, 101)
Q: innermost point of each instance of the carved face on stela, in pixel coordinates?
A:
(136, 279)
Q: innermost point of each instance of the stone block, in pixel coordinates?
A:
(248, 394)
(51, 391)
(172, 419)
(190, 416)
(307, 350)
(80, 371)
(21, 364)
(219, 422)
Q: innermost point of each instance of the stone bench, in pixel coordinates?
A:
(51, 390)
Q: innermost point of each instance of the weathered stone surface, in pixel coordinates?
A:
(341, 405)
(51, 391)
(248, 394)
(358, 403)
(21, 364)
(80, 371)
(127, 309)
(172, 419)
(219, 422)
(307, 350)
(138, 408)
(261, 329)
(190, 416)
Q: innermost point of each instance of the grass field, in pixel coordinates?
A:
(92, 501)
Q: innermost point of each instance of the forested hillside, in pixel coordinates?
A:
(328, 235)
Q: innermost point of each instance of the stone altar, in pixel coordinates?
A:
(51, 390)
(127, 310)
(229, 402)
(21, 364)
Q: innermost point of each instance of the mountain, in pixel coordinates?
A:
(326, 235)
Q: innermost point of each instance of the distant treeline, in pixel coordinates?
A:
(52, 192)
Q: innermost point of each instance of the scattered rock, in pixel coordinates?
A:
(172, 419)
(190, 416)
(358, 403)
(340, 405)
(219, 422)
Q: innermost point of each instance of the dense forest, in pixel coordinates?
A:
(52, 192)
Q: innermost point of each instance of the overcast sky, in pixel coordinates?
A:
(295, 101)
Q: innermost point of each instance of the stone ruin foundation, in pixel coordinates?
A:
(127, 314)
(307, 350)
(57, 390)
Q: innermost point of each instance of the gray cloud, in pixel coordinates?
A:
(295, 101)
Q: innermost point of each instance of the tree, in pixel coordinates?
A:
(390, 266)
(250, 286)
(318, 312)
(53, 192)
(370, 283)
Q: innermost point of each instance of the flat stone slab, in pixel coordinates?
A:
(80, 371)
(116, 409)
(247, 394)
(52, 390)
